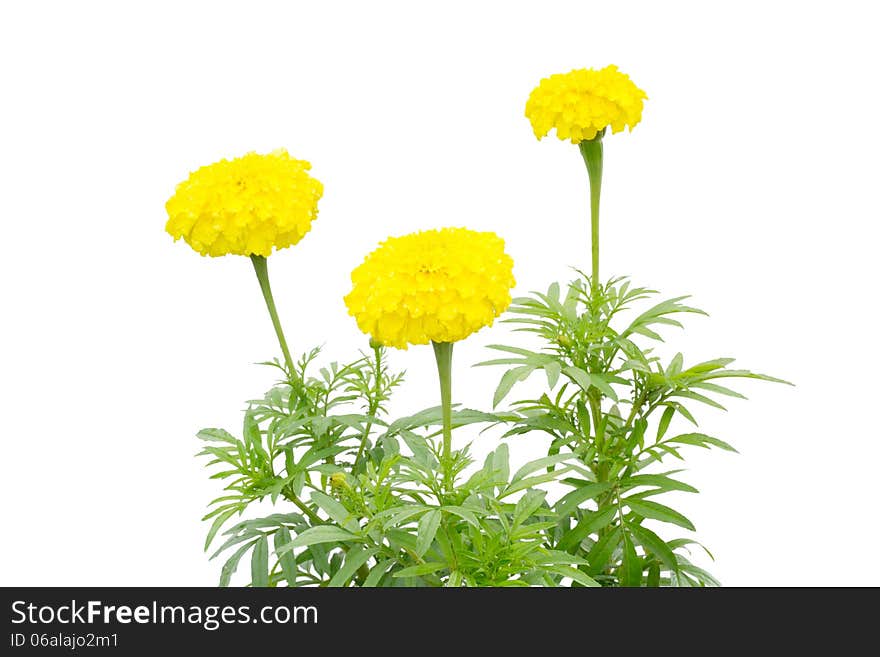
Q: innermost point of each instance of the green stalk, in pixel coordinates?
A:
(374, 402)
(443, 353)
(591, 150)
(262, 270)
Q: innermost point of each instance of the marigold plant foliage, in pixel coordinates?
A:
(431, 286)
(367, 498)
(249, 205)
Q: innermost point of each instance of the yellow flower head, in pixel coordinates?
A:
(582, 103)
(245, 206)
(435, 285)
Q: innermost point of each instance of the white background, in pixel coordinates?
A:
(750, 183)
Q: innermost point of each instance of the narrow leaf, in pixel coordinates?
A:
(354, 559)
(428, 525)
(657, 511)
(260, 563)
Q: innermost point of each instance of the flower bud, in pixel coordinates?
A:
(337, 481)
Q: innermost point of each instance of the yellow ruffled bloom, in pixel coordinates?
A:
(431, 286)
(245, 206)
(582, 103)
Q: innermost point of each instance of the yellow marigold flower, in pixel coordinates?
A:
(435, 285)
(582, 103)
(245, 206)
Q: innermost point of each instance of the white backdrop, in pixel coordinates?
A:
(750, 184)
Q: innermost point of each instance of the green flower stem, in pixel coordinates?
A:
(443, 353)
(591, 150)
(262, 269)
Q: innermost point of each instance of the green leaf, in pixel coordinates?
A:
(420, 569)
(664, 421)
(602, 382)
(688, 394)
(527, 505)
(320, 534)
(286, 559)
(537, 464)
(580, 377)
(529, 482)
(218, 522)
(708, 366)
(572, 500)
(701, 440)
(508, 380)
(342, 516)
(232, 563)
(631, 566)
(500, 463)
(655, 545)
(657, 511)
(377, 572)
(658, 480)
(354, 559)
(714, 387)
(461, 512)
(601, 552)
(260, 563)
(552, 369)
(585, 380)
(454, 580)
(220, 435)
(428, 525)
(592, 521)
(573, 573)
(583, 418)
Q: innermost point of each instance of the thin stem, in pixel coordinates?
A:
(373, 403)
(262, 270)
(443, 353)
(290, 495)
(599, 429)
(591, 150)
